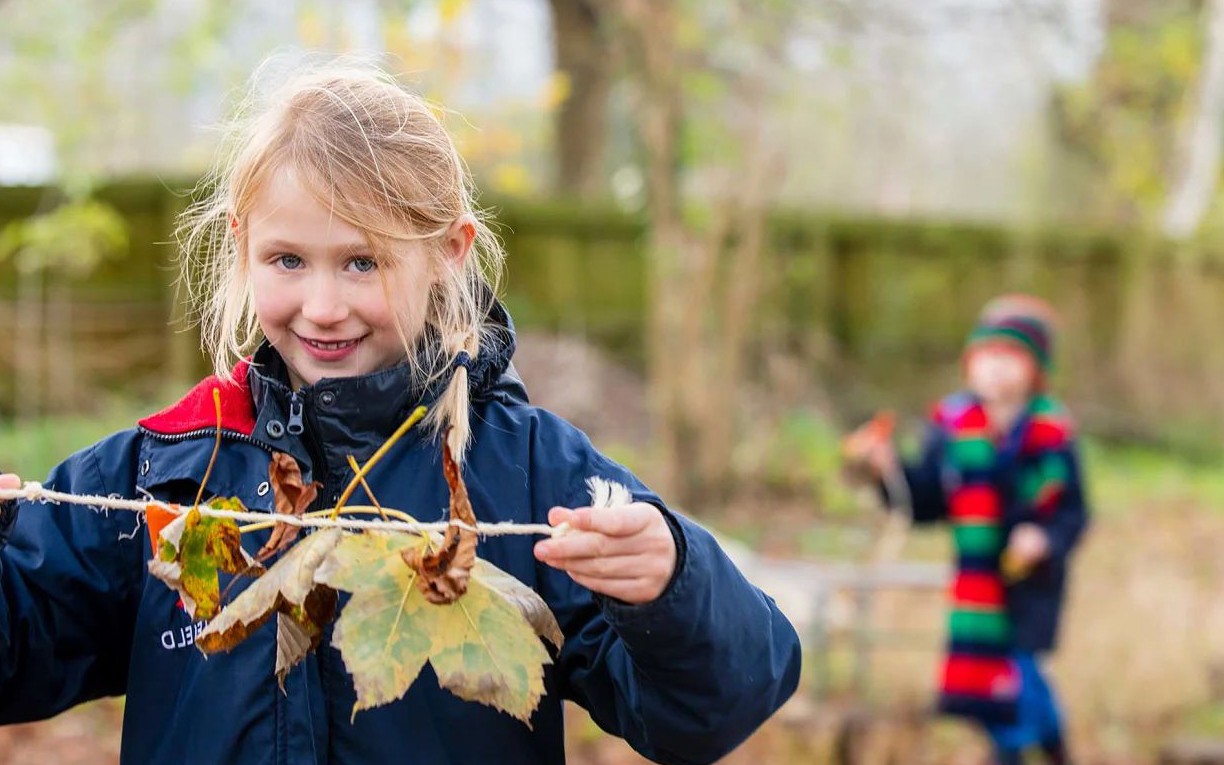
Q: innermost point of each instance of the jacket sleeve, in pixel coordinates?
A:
(69, 584)
(687, 677)
(924, 481)
(1069, 520)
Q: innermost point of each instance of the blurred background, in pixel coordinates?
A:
(736, 229)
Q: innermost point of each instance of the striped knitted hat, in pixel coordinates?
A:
(1022, 320)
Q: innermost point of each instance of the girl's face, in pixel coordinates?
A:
(998, 372)
(318, 294)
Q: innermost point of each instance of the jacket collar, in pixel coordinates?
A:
(196, 410)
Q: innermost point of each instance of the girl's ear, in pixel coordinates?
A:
(459, 238)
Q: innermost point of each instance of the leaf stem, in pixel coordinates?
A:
(369, 492)
(417, 415)
(386, 512)
(216, 448)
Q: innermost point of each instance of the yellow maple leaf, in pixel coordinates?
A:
(482, 646)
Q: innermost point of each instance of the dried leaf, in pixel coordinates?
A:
(444, 573)
(191, 551)
(299, 629)
(481, 646)
(292, 498)
(287, 588)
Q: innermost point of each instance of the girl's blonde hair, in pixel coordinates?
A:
(378, 156)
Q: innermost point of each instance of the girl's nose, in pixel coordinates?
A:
(324, 303)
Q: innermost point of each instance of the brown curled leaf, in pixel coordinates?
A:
(292, 498)
(299, 629)
(444, 572)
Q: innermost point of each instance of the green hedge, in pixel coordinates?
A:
(876, 308)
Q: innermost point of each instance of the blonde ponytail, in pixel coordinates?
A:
(454, 407)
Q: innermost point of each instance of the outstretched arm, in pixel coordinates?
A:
(69, 582)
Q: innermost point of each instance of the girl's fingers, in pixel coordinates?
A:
(9, 481)
(626, 552)
(627, 590)
(590, 544)
(619, 567)
(625, 521)
(578, 545)
(560, 515)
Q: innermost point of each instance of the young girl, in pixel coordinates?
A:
(343, 278)
(999, 464)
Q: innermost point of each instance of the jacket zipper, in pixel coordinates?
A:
(201, 433)
(295, 426)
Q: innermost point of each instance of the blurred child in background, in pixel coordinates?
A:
(999, 464)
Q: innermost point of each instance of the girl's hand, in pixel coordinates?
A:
(7, 481)
(627, 552)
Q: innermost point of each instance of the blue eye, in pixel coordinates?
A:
(289, 262)
(364, 265)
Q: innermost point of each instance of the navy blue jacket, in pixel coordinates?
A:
(1034, 603)
(683, 679)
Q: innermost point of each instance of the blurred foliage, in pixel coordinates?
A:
(73, 239)
(32, 448)
(1123, 122)
(863, 305)
(125, 85)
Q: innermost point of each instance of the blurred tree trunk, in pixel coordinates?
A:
(1198, 166)
(583, 57)
(705, 283)
(60, 367)
(648, 35)
(27, 343)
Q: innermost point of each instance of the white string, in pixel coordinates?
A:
(34, 491)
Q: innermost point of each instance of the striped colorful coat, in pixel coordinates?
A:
(1035, 603)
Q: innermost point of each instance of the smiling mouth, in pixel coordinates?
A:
(337, 345)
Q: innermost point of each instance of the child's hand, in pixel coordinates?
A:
(627, 552)
(1028, 545)
(9, 481)
(868, 453)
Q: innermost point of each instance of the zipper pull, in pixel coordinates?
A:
(295, 426)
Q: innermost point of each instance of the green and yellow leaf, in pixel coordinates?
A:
(481, 646)
(192, 550)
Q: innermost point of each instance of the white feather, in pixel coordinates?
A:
(605, 493)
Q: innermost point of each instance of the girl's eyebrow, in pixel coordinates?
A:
(279, 244)
(356, 245)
